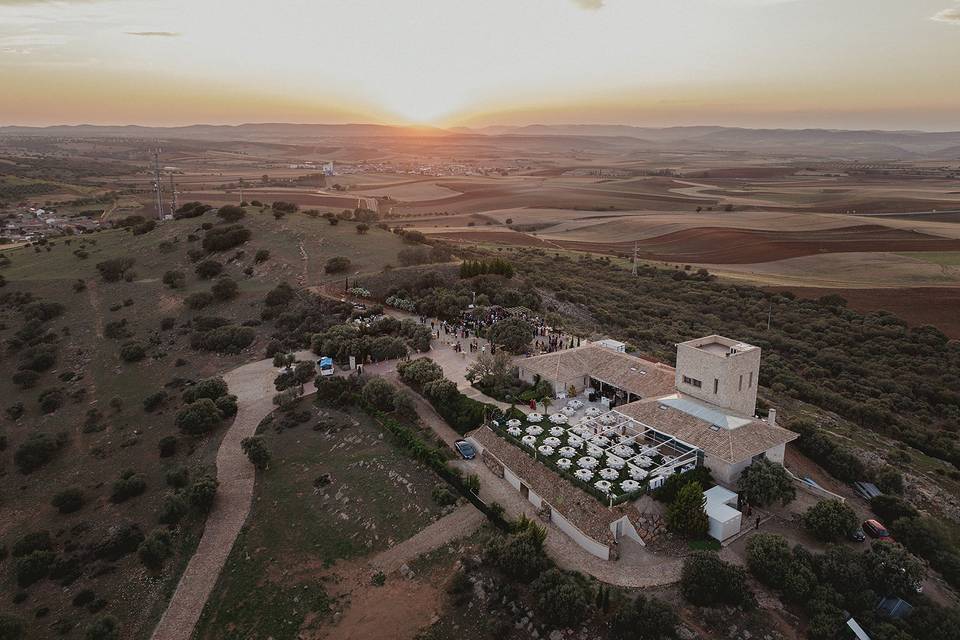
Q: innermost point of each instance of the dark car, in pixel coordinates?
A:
(465, 449)
(874, 529)
(857, 535)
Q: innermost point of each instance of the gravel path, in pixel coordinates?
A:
(458, 524)
(253, 386)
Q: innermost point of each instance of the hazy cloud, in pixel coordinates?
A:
(950, 16)
(153, 34)
(25, 3)
(589, 5)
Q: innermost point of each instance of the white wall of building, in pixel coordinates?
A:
(602, 551)
(776, 454)
(626, 530)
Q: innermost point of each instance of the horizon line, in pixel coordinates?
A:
(455, 128)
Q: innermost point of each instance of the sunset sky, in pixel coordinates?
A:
(783, 63)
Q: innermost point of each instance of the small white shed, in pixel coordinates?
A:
(724, 519)
(613, 345)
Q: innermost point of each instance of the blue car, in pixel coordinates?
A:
(465, 449)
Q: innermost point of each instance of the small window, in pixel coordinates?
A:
(716, 385)
(693, 382)
(740, 387)
(750, 382)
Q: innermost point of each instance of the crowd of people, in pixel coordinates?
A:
(464, 335)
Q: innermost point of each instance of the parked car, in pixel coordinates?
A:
(874, 529)
(325, 365)
(857, 535)
(465, 449)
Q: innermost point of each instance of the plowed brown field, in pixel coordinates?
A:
(736, 246)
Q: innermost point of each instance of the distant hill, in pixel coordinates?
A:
(815, 143)
(252, 131)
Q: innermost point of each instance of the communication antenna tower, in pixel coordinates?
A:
(634, 258)
(173, 195)
(157, 184)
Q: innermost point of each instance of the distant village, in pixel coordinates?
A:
(29, 224)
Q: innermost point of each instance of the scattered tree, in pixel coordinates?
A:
(764, 482)
(256, 451)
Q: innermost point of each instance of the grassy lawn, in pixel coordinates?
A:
(273, 583)
(707, 544)
(942, 258)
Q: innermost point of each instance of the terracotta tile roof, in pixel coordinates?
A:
(733, 445)
(582, 509)
(630, 373)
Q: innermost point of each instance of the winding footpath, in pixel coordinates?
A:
(253, 385)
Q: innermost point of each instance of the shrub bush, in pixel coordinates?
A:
(708, 581)
(133, 351)
(227, 405)
(115, 269)
(38, 358)
(764, 482)
(155, 549)
(279, 296)
(175, 279)
(231, 213)
(199, 417)
(167, 446)
(105, 628)
(891, 508)
(25, 379)
(562, 598)
(50, 400)
(227, 237)
(30, 542)
(519, 556)
(513, 334)
(116, 329)
(198, 300)
(191, 210)
(337, 264)
(129, 485)
(261, 256)
(442, 496)
(173, 508)
(203, 492)
(667, 492)
(154, 401)
(225, 289)
(769, 559)
(212, 388)
(178, 477)
(37, 450)
(686, 515)
(68, 500)
(256, 452)
(33, 567)
(830, 520)
(644, 619)
(380, 394)
(227, 339)
(12, 628)
(208, 269)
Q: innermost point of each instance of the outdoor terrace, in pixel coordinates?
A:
(607, 454)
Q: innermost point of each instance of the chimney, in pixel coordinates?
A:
(772, 417)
